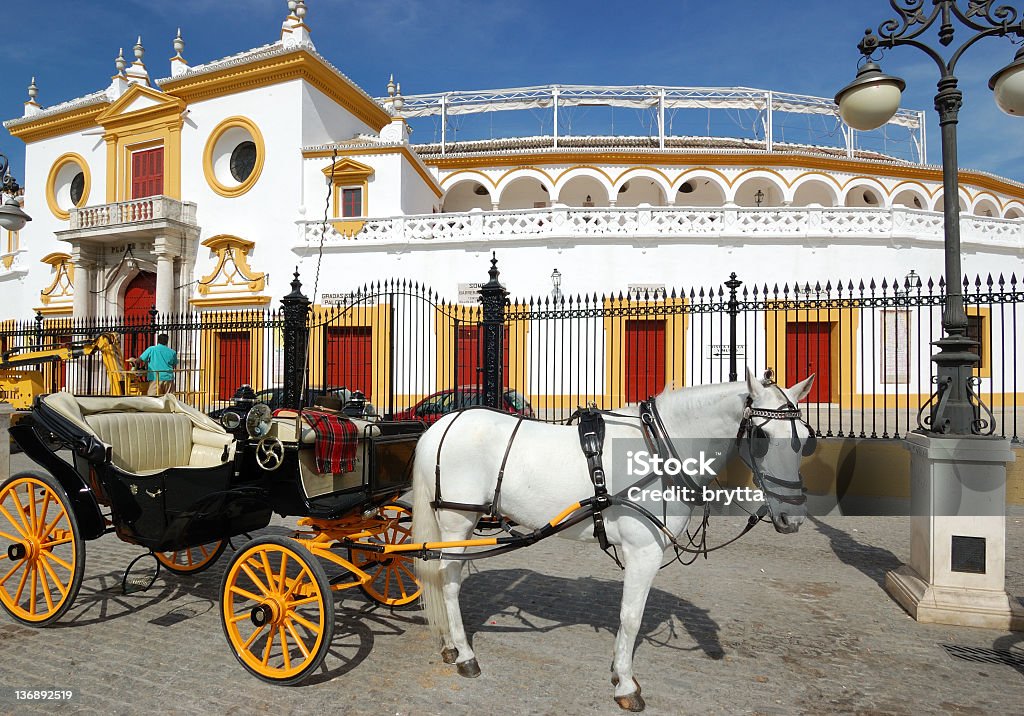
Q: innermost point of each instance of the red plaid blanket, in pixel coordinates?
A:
(336, 440)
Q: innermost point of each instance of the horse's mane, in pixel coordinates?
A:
(700, 396)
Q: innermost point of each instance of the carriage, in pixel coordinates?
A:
(168, 478)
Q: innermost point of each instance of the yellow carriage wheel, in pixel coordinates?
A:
(392, 577)
(192, 560)
(277, 610)
(42, 555)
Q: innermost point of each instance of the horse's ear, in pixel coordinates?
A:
(754, 386)
(799, 391)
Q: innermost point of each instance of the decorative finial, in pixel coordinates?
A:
(179, 44)
(398, 101)
(291, 7)
(139, 50)
(120, 63)
(33, 91)
(300, 9)
(391, 85)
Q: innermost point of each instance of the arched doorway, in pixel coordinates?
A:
(139, 300)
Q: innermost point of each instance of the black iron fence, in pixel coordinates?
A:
(416, 354)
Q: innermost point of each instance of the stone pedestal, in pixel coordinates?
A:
(956, 574)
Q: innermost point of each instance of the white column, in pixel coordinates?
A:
(164, 283)
(80, 307)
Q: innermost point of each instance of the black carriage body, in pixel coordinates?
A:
(163, 510)
(180, 507)
(384, 472)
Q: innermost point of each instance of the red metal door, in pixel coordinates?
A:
(350, 359)
(147, 173)
(233, 350)
(469, 356)
(809, 350)
(645, 359)
(139, 299)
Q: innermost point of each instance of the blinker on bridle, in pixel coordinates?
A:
(758, 443)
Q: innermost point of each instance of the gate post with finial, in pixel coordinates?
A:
(493, 296)
(295, 307)
(734, 310)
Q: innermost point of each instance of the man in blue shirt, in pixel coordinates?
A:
(160, 359)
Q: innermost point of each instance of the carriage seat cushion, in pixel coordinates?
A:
(151, 442)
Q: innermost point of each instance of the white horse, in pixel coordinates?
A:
(545, 472)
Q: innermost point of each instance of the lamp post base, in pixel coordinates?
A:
(957, 568)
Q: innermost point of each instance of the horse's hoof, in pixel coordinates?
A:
(449, 656)
(631, 702)
(470, 669)
(615, 682)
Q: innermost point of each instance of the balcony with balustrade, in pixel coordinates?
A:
(143, 219)
(810, 224)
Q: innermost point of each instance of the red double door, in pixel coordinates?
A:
(809, 352)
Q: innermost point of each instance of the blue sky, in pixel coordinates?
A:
(806, 47)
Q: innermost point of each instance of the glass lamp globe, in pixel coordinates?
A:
(1008, 86)
(871, 99)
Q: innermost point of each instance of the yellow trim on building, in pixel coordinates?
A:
(74, 120)
(261, 153)
(51, 182)
(984, 369)
(297, 65)
(147, 128)
(349, 174)
(376, 317)
(413, 158)
(706, 161)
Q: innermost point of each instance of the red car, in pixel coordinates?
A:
(431, 408)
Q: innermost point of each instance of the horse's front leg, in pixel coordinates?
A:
(641, 563)
(456, 526)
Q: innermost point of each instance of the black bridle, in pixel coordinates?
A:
(758, 442)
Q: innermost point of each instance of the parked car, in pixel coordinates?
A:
(431, 408)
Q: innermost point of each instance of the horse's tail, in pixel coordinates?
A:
(425, 528)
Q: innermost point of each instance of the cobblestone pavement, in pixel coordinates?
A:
(775, 624)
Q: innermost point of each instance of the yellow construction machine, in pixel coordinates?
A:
(20, 386)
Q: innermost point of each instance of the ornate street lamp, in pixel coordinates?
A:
(873, 98)
(12, 217)
(556, 285)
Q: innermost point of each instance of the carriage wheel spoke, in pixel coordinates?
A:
(303, 601)
(15, 523)
(305, 622)
(298, 640)
(44, 509)
(284, 648)
(205, 552)
(58, 582)
(20, 563)
(245, 593)
(252, 637)
(238, 618)
(55, 543)
(10, 537)
(33, 591)
(282, 575)
(21, 512)
(20, 582)
(270, 645)
(255, 580)
(49, 528)
(46, 590)
(265, 561)
(58, 560)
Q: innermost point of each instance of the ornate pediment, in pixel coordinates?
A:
(231, 282)
(345, 171)
(59, 296)
(141, 105)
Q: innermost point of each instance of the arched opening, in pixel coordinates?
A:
(986, 208)
(139, 300)
(758, 192)
(911, 199)
(940, 198)
(699, 191)
(814, 192)
(524, 193)
(1015, 212)
(583, 191)
(467, 195)
(640, 190)
(864, 197)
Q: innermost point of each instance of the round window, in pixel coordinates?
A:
(243, 160)
(77, 188)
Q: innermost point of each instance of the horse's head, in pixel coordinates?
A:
(773, 439)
